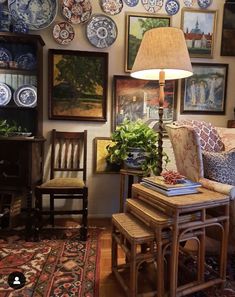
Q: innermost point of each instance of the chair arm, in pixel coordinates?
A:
(227, 136)
(218, 187)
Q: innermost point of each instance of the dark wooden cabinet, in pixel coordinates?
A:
(21, 157)
(231, 124)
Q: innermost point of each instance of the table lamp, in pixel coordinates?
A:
(162, 55)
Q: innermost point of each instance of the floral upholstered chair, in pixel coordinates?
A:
(206, 154)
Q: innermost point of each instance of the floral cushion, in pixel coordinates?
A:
(209, 137)
(220, 166)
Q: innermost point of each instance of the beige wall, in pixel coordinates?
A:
(104, 189)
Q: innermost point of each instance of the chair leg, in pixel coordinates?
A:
(38, 213)
(52, 221)
(84, 227)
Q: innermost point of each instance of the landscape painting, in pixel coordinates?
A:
(77, 85)
(205, 91)
(199, 31)
(136, 25)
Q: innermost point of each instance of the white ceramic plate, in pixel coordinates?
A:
(26, 96)
(37, 14)
(5, 94)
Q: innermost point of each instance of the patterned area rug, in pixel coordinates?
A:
(59, 266)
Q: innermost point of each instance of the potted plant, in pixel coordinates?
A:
(135, 146)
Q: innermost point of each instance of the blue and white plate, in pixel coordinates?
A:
(152, 6)
(101, 31)
(26, 96)
(26, 61)
(131, 3)
(204, 3)
(5, 94)
(5, 55)
(189, 3)
(37, 14)
(172, 7)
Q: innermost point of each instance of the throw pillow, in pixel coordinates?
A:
(220, 166)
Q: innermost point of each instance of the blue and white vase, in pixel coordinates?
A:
(136, 158)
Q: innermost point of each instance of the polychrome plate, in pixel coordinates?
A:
(111, 6)
(101, 31)
(5, 55)
(76, 12)
(5, 94)
(131, 3)
(152, 6)
(26, 96)
(204, 3)
(37, 14)
(172, 7)
(189, 3)
(63, 33)
(26, 61)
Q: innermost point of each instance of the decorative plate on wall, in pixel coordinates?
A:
(63, 33)
(37, 14)
(152, 6)
(101, 31)
(76, 12)
(172, 7)
(5, 55)
(204, 3)
(26, 96)
(5, 94)
(131, 3)
(189, 3)
(111, 6)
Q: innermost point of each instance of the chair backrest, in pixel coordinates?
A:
(69, 152)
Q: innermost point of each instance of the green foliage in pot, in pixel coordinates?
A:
(7, 128)
(135, 135)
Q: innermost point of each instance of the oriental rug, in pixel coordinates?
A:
(58, 265)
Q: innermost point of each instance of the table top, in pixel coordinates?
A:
(205, 198)
(133, 172)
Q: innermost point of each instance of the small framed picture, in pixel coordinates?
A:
(199, 31)
(205, 91)
(77, 85)
(100, 154)
(136, 25)
(228, 30)
(135, 99)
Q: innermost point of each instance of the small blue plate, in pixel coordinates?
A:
(26, 61)
(5, 94)
(204, 3)
(26, 96)
(131, 3)
(172, 7)
(5, 55)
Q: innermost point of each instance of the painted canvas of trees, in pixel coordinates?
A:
(137, 25)
(78, 85)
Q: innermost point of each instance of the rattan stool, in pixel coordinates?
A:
(130, 234)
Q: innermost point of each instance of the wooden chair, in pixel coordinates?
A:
(69, 158)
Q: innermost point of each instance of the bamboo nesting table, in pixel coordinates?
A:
(177, 207)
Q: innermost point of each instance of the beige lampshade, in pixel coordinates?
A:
(164, 49)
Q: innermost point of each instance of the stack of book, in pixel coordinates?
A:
(183, 187)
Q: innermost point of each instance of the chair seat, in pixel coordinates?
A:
(64, 182)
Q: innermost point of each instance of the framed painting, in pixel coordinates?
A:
(135, 99)
(205, 91)
(100, 163)
(228, 30)
(199, 31)
(136, 25)
(77, 85)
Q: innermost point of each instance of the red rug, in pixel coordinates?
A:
(52, 267)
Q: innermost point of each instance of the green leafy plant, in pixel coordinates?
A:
(135, 135)
(7, 128)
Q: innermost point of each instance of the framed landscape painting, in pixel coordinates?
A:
(205, 91)
(135, 99)
(100, 163)
(77, 85)
(199, 31)
(136, 25)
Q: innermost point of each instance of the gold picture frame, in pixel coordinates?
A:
(195, 23)
(100, 154)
